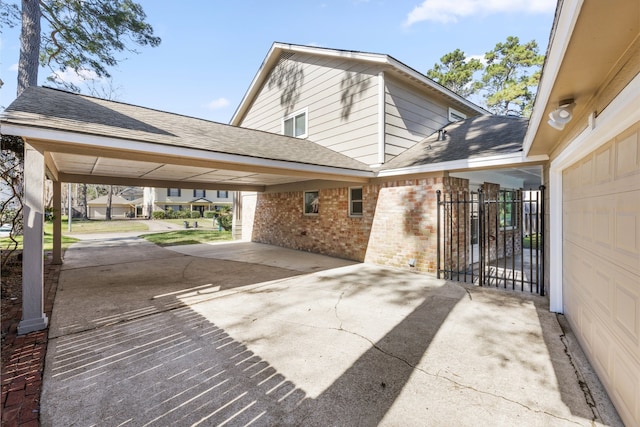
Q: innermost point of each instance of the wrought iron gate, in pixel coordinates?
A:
(492, 238)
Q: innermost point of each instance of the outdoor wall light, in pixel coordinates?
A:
(562, 115)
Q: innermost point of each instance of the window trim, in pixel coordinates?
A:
(453, 113)
(293, 116)
(204, 193)
(218, 196)
(351, 200)
(304, 202)
(171, 195)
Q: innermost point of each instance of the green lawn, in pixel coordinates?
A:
(531, 241)
(204, 223)
(187, 237)
(7, 244)
(94, 226)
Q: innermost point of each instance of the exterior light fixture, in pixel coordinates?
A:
(562, 115)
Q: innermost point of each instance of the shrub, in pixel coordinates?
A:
(209, 214)
(158, 214)
(182, 214)
(195, 214)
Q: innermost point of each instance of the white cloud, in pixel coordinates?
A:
(73, 77)
(446, 11)
(218, 103)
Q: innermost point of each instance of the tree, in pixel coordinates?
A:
(455, 72)
(80, 35)
(511, 77)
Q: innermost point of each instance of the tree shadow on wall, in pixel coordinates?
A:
(352, 85)
(288, 77)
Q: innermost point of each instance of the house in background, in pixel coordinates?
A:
(120, 207)
(181, 199)
(586, 118)
(414, 134)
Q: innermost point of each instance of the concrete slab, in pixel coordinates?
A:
(148, 336)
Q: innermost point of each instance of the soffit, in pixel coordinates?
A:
(595, 55)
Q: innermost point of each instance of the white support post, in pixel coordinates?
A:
(57, 222)
(33, 316)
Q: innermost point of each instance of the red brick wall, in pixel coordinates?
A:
(398, 224)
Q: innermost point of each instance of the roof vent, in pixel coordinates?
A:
(441, 134)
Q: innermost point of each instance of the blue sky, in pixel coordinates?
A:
(211, 50)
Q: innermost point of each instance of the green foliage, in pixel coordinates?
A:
(511, 77)
(182, 214)
(225, 217)
(86, 36)
(186, 237)
(209, 214)
(9, 15)
(455, 72)
(195, 214)
(158, 215)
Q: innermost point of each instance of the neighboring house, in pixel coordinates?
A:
(131, 193)
(181, 199)
(120, 207)
(411, 131)
(593, 70)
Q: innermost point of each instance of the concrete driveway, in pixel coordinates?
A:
(248, 334)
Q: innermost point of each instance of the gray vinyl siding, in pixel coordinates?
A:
(409, 117)
(323, 83)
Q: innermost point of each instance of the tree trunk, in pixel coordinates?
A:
(29, 45)
(109, 197)
(83, 202)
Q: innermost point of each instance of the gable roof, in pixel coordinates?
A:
(476, 137)
(115, 201)
(54, 109)
(388, 63)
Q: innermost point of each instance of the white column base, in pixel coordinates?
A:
(31, 325)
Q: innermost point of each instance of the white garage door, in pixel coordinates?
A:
(601, 275)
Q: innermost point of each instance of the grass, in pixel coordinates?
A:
(91, 226)
(204, 223)
(187, 237)
(531, 240)
(7, 244)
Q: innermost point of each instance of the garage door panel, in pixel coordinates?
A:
(627, 155)
(601, 272)
(626, 385)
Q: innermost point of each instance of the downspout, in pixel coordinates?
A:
(381, 118)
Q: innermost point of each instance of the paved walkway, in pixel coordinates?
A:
(23, 359)
(142, 335)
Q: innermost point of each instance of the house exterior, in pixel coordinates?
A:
(180, 199)
(417, 136)
(120, 207)
(592, 72)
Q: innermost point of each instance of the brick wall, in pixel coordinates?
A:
(398, 223)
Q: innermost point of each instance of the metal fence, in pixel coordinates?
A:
(492, 239)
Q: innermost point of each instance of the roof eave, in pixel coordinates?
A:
(564, 25)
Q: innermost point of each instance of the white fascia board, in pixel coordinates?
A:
(124, 145)
(466, 164)
(567, 19)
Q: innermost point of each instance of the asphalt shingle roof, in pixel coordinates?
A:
(477, 137)
(60, 110)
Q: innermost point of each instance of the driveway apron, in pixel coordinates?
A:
(248, 334)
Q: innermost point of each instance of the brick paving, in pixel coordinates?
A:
(23, 358)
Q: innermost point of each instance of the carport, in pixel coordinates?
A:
(79, 139)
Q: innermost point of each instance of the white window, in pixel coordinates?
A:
(311, 203)
(355, 201)
(200, 193)
(222, 194)
(295, 124)
(173, 192)
(455, 115)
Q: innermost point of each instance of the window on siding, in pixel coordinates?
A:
(175, 192)
(200, 193)
(223, 194)
(455, 115)
(355, 201)
(311, 203)
(295, 124)
(507, 205)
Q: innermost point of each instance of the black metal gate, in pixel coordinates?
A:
(493, 238)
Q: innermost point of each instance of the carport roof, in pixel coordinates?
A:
(94, 140)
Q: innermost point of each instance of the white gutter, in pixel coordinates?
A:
(465, 164)
(102, 142)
